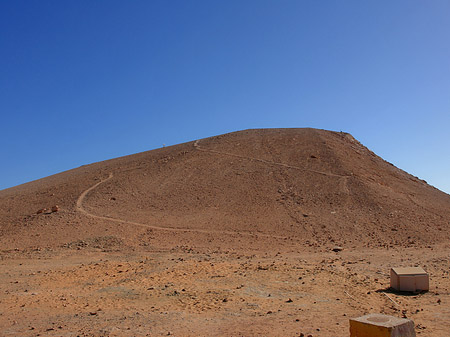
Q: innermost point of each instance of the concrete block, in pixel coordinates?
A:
(406, 283)
(409, 279)
(422, 282)
(379, 325)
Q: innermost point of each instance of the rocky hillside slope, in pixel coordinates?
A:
(309, 186)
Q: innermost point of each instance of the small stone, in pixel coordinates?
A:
(337, 249)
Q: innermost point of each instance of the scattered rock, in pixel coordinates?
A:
(42, 210)
(337, 249)
(55, 208)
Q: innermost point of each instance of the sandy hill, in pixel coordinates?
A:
(306, 186)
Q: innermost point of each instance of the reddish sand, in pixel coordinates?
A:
(226, 236)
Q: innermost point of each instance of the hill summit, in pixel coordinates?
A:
(302, 186)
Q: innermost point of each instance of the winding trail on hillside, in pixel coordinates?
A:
(344, 178)
(79, 208)
(80, 200)
(198, 147)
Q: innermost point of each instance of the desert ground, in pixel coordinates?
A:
(282, 232)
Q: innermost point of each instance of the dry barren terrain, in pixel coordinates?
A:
(227, 236)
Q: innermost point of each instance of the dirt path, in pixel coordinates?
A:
(343, 178)
(79, 207)
(198, 147)
(80, 200)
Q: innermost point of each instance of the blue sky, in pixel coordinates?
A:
(83, 81)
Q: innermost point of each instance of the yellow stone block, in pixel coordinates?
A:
(379, 325)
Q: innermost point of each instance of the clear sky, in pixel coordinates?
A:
(83, 81)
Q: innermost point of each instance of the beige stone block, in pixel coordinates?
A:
(407, 283)
(423, 282)
(379, 325)
(409, 279)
